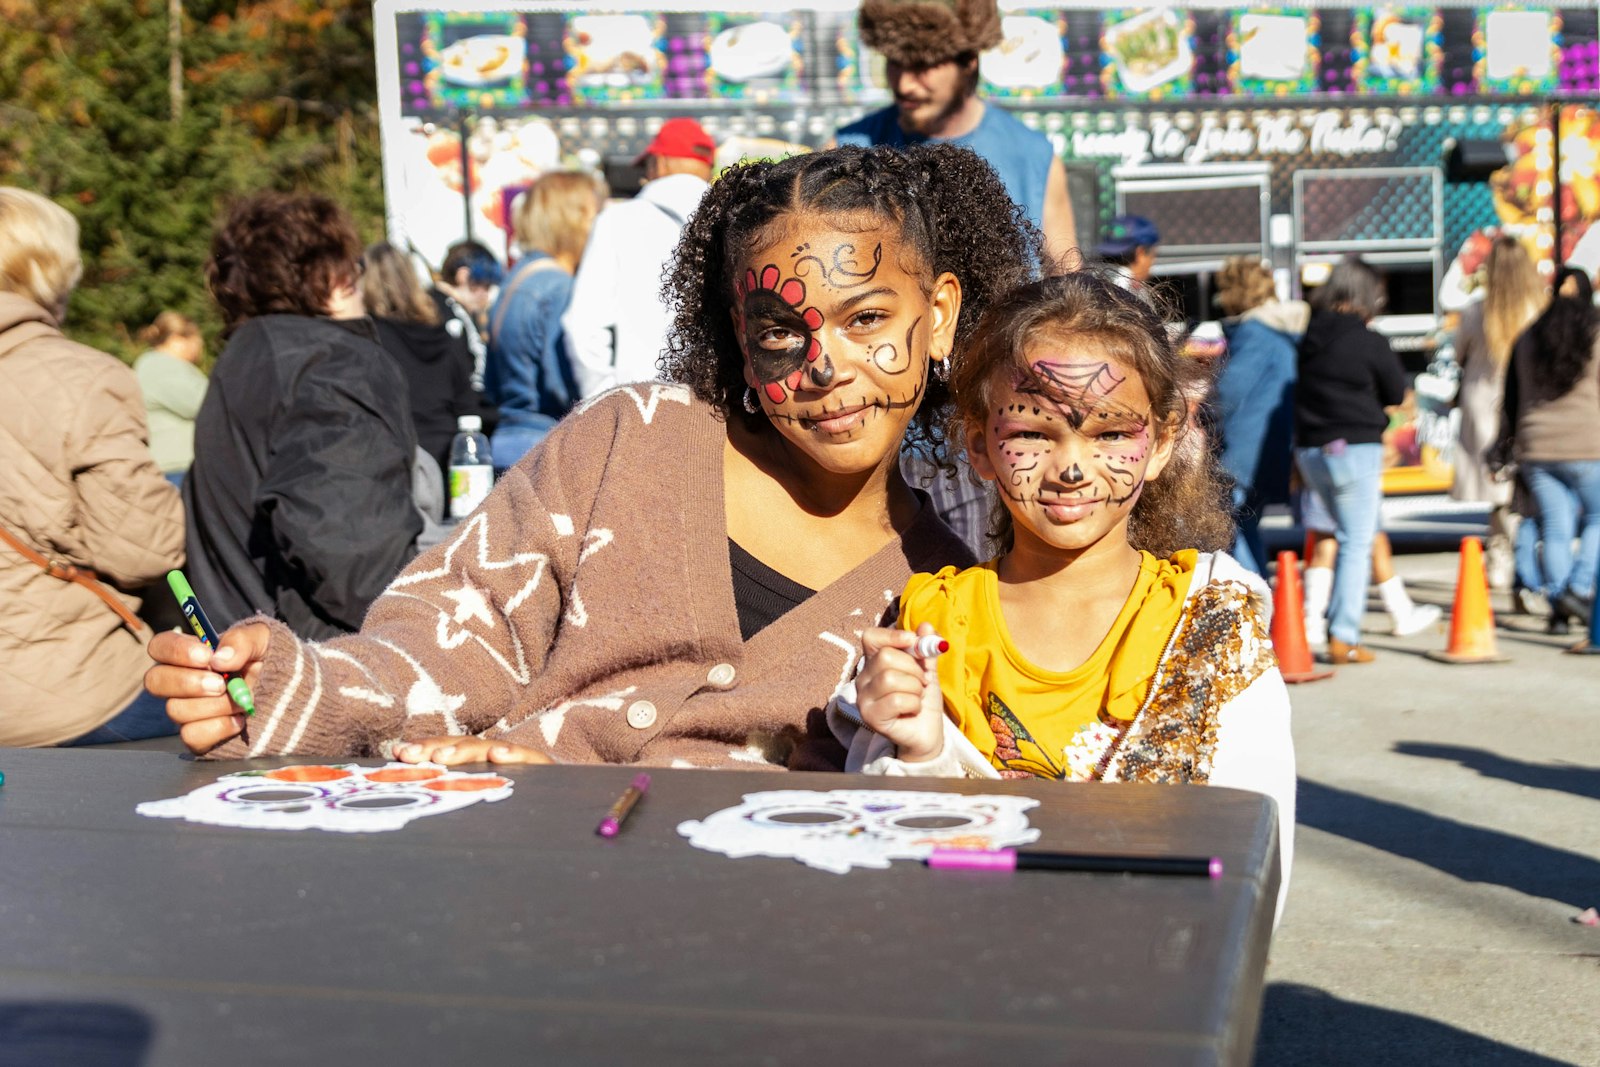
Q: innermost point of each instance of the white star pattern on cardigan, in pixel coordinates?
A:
(659, 392)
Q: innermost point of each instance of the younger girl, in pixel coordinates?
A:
(1104, 643)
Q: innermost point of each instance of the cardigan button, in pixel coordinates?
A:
(641, 715)
(721, 675)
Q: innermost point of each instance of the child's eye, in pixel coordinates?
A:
(868, 319)
(1029, 435)
(1114, 435)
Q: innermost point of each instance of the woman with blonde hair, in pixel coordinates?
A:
(528, 375)
(1254, 398)
(174, 387)
(437, 363)
(85, 515)
(1513, 298)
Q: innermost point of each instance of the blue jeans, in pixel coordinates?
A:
(1247, 546)
(511, 442)
(1349, 479)
(1530, 572)
(144, 717)
(1563, 490)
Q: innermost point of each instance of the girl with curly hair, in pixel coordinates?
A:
(676, 572)
(1112, 640)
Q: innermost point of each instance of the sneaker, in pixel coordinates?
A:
(1418, 619)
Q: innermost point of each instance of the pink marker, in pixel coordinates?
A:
(930, 646)
(1009, 859)
(619, 811)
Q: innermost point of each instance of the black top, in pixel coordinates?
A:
(438, 370)
(1348, 375)
(299, 502)
(761, 594)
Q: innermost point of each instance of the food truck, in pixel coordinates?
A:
(1410, 134)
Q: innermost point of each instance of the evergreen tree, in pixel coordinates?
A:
(274, 94)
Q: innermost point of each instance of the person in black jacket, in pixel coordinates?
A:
(1348, 376)
(300, 500)
(436, 363)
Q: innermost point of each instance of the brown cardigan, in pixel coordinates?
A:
(586, 609)
(78, 485)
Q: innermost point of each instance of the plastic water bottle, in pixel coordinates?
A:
(471, 467)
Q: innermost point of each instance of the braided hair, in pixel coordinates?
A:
(948, 205)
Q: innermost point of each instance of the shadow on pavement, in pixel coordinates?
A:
(77, 1033)
(1470, 853)
(1306, 1027)
(1579, 781)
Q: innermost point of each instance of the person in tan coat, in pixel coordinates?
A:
(78, 487)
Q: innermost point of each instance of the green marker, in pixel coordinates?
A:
(237, 689)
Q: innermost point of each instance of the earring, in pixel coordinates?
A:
(941, 369)
(751, 405)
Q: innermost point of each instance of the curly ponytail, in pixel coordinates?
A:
(949, 206)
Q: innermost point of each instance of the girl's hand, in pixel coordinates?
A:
(451, 751)
(188, 676)
(898, 693)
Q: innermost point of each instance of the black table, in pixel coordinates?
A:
(509, 933)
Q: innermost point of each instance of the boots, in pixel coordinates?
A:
(1406, 618)
(1318, 583)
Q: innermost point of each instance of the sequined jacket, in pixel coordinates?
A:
(1217, 712)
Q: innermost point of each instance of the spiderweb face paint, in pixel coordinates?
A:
(1071, 444)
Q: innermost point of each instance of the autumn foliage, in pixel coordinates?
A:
(272, 94)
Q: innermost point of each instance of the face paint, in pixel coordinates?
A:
(780, 338)
(1070, 446)
(835, 332)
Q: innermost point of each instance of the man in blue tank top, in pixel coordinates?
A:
(932, 50)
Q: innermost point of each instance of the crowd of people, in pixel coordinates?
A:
(727, 418)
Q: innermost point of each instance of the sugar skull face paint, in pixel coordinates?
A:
(836, 336)
(1070, 446)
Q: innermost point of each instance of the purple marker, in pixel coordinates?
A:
(1009, 859)
(619, 811)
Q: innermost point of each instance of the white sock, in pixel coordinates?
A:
(1318, 583)
(1396, 601)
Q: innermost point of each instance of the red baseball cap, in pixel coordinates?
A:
(681, 138)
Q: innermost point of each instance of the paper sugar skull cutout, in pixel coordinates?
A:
(345, 797)
(846, 828)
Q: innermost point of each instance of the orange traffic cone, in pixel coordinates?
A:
(1289, 625)
(1471, 620)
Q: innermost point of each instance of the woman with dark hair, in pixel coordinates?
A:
(679, 570)
(436, 363)
(1553, 411)
(300, 498)
(1348, 376)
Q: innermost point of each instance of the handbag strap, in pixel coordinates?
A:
(503, 305)
(77, 576)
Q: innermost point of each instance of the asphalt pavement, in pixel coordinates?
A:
(1449, 834)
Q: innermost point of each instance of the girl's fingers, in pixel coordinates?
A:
(171, 683)
(879, 638)
(179, 649)
(201, 737)
(200, 709)
(242, 645)
(502, 752)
